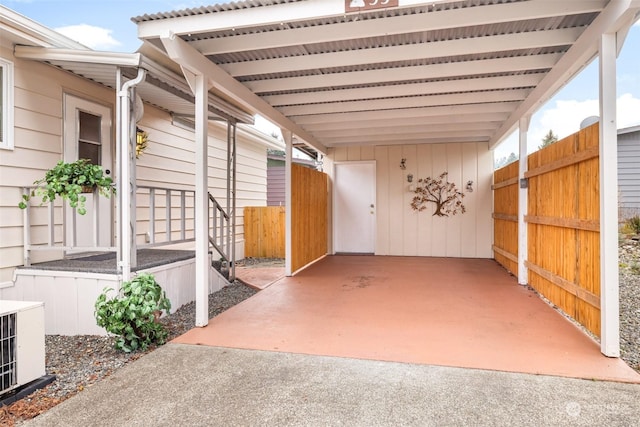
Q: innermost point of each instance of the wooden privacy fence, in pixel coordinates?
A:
(264, 231)
(505, 216)
(309, 215)
(264, 226)
(562, 224)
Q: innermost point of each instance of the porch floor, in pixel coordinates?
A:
(105, 262)
(441, 311)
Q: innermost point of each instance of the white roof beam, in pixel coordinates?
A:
(407, 102)
(503, 42)
(446, 111)
(396, 129)
(434, 71)
(191, 60)
(612, 18)
(446, 19)
(483, 135)
(426, 140)
(365, 125)
(394, 91)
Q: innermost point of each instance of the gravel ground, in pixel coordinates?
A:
(80, 361)
(630, 303)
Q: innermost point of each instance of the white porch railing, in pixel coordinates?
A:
(166, 213)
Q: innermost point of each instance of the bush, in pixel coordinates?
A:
(634, 224)
(133, 313)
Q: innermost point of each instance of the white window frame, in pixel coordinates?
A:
(6, 68)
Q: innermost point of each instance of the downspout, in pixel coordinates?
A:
(124, 158)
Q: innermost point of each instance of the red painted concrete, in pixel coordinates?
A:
(443, 311)
(259, 277)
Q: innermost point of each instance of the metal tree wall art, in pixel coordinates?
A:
(441, 192)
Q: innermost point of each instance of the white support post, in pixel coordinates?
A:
(288, 139)
(609, 281)
(523, 204)
(202, 201)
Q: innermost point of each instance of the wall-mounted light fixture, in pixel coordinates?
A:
(469, 186)
(403, 164)
(410, 177)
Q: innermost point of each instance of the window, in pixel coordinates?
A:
(6, 107)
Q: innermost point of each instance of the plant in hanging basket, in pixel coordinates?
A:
(68, 181)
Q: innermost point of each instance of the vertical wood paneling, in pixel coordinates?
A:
(308, 216)
(400, 230)
(410, 219)
(563, 258)
(396, 205)
(439, 229)
(425, 221)
(353, 153)
(454, 222)
(469, 239)
(505, 200)
(484, 225)
(264, 231)
(383, 217)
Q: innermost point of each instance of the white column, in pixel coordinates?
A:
(523, 204)
(288, 139)
(201, 201)
(609, 292)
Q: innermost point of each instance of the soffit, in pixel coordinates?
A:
(424, 72)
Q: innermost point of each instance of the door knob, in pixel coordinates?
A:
(371, 205)
(108, 172)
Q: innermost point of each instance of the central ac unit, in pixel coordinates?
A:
(21, 343)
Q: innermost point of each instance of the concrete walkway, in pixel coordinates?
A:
(188, 385)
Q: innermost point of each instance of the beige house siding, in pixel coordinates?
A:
(38, 112)
(168, 161)
(402, 232)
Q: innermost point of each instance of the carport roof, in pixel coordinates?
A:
(418, 72)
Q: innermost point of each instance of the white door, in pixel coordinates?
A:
(87, 135)
(354, 207)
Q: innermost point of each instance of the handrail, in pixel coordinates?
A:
(221, 222)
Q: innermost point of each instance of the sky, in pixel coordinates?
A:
(106, 25)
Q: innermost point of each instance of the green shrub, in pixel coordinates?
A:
(133, 313)
(634, 224)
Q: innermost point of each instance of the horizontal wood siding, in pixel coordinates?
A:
(264, 231)
(308, 215)
(400, 230)
(505, 217)
(629, 174)
(563, 226)
(168, 161)
(38, 142)
(275, 186)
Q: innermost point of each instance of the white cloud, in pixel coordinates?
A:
(564, 119)
(91, 36)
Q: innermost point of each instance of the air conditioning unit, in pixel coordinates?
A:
(21, 343)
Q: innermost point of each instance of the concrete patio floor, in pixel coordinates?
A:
(439, 311)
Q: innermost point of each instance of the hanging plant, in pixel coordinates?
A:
(441, 192)
(141, 142)
(68, 181)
